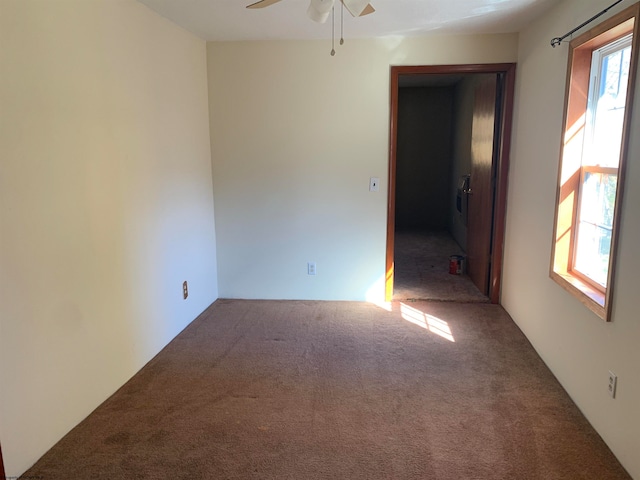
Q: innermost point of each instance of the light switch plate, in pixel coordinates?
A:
(311, 268)
(374, 184)
(613, 383)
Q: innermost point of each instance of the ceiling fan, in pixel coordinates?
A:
(319, 10)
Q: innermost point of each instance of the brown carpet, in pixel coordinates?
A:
(338, 390)
(422, 269)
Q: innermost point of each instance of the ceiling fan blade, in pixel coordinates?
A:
(263, 3)
(319, 10)
(357, 7)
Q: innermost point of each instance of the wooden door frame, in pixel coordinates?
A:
(502, 166)
(2, 474)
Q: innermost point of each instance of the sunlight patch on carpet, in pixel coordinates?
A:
(426, 321)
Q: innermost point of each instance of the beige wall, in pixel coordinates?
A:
(579, 348)
(296, 134)
(106, 206)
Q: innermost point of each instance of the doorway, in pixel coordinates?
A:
(476, 225)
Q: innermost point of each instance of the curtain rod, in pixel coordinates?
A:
(558, 40)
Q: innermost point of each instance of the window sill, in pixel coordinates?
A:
(588, 295)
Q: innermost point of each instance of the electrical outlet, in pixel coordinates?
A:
(311, 268)
(613, 383)
(185, 290)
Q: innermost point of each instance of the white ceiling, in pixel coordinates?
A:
(229, 20)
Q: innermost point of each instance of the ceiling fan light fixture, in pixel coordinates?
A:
(356, 7)
(319, 10)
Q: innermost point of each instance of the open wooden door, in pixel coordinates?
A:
(484, 146)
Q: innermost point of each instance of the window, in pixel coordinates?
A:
(600, 85)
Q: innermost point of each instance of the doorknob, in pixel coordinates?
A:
(468, 191)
